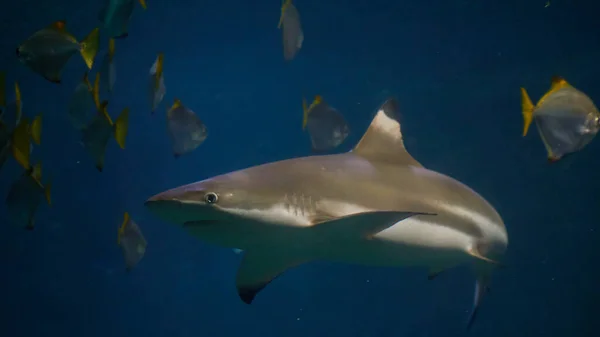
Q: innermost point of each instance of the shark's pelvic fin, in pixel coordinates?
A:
(435, 272)
(474, 252)
(383, 139)
(259, 268)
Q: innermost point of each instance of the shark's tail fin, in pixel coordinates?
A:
(481, 288)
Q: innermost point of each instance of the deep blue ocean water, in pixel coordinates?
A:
(455, 67)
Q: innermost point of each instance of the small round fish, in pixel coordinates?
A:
(326, 126)
(292, 33)
(566, 118)
(81, 106)
(48, 50)
(185, 128)
(132, 242)
(156, 83)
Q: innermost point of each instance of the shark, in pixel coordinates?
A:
(374, 205)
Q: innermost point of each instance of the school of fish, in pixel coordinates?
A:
(566, 118)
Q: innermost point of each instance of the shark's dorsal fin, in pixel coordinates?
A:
(383, 140)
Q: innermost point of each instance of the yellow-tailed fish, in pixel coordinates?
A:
(116, 14)
(566, 118)
(292, 33)
(95, 136)
(326, 126)
(47, 51)
(157, 82)
(20, 140)
(25, 196)
(15, 132)
(185, 128)
(132, 242)
(82, 106)
(14, 109)
(108, 70)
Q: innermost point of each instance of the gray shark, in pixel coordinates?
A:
(375, 205)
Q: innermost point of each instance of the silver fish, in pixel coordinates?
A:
(566, 118)
(82, 106)
(48, 50)
(292, 33)
(185, 128)
(116, 14)
(25, 196)
(95, 136)
(157, 83)
(132, 242)
(326, 126)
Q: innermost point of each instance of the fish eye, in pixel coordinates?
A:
(18, 52)
(211, 198)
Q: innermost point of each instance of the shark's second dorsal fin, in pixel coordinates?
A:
(383, 140)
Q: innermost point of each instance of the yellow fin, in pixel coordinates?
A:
(104, 112)
(36, 129)
(2, 89)
(111, 49)
(143, 3)
(558, 83)
(284, 6)
(86, 80)
(122, 228)
(304, 113)
(89, 47)
(18, 101)
(37, 173)
(176, 104)
(47, 190)
(20, 144)
(527, 110)
(159, 70)
(121, 126)
(96, 92)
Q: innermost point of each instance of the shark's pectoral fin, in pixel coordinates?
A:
(364, 224)
(383, 140)
(260, 267)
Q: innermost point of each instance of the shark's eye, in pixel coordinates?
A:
(211, 198)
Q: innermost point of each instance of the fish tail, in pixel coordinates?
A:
(111, 49)
(36, 129)
(527, 110)
(47, 190)
(121, 126)
(159, 71)
(20, 144)
(305, 113)
(18, 102)
(143, 3)
(89, 47)
(122, 228)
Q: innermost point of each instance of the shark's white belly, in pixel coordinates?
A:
(411, 242)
